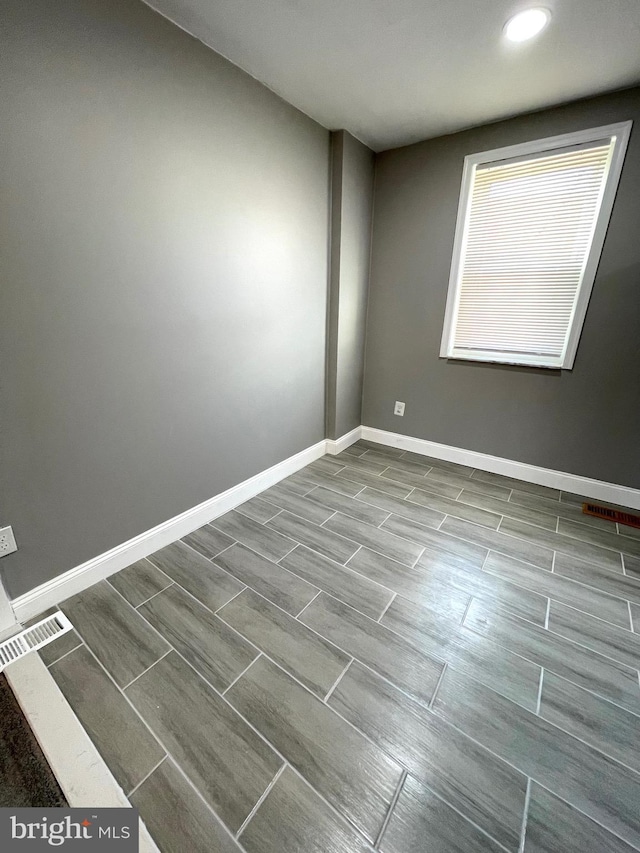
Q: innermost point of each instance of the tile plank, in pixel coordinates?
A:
(553, 826)
(122, 739)
(422, 515)
(482, 787)
(558, 542)
(288, 591)
(208, 541)
(258, 509)
(340, 582)
(501, 541)
(512, 483)
(631, 566)
(421, 822)
(437, 540)
(305, 480)
(480, 486)
(222, 756)
(318, 538)
(139, 582)
(352, 507)
(566, 766)
(432, 487)
(609, 640)
(375, 539)
(412, 582)
(114, 631)
(559, 588)
(311, 659)
(218, 654)
(204, 580)
(376, 646)
(299, 504)
(293, 818)
(259, 537)
(349, 771)
(374, 481)
(192, 826)
(513, 510)
(485, 586)
(450, 507)
(577, 664)
(594, 720)
(442, 464)
(605, 538)
(607, 580)
(444, 638)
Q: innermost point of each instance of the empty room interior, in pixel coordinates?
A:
(320, 423)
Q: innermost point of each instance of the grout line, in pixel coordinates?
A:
(525, 815)
(419, 557)
(335, 512)
(238, 677)
(558, 525)
(438, 683)
(261, 799)
(142, 781)
(319, 592)
(553, 562)
(547, 613)
(441, 523)
(384, 519)
(392, 805)
(199, 553)
(147, 600)
(387, 606)
(337, 681)
(539, 699)
(215, 612)
(466, 611)
(170, 649)
(631, 616)
(224, 550)
(66, 654)
(346, 565)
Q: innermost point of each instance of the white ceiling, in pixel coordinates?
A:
(396, 71)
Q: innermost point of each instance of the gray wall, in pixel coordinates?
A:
(163, 259)
(585, 421)
(352, 171)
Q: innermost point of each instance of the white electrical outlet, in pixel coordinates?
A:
(398, 409)
(7, 541)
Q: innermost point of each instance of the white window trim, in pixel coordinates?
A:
(621, 131)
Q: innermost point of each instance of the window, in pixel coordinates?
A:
(531, 224)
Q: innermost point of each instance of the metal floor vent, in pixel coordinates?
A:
(618, 515)
(34, 638)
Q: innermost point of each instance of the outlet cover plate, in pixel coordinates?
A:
(7, 541)
(398, 409)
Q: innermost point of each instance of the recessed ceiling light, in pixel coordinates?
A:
(527, 24)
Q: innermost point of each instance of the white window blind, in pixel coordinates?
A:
(525, 248)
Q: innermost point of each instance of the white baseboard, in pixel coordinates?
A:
(596, 489)
(98, 568)
(346, 440)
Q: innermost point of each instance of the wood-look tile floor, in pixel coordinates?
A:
(382, 652)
